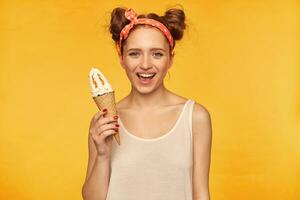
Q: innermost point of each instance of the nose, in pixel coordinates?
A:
(146, 62)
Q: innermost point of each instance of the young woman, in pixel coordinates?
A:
(165, 138)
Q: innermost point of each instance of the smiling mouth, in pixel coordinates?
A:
(145, 77)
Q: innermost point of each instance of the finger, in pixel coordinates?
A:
(99, 114)
(106, 120)
(109, 132)
(106, 127)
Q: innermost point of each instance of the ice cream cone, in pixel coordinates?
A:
(107, 101)
(103, 94)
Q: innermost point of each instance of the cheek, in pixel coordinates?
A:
(130, 64)
(130, 68)
(162, 64)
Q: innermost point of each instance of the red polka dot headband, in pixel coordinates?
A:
(132, 16)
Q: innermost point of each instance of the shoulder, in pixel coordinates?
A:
(201, 120)
(200, 113)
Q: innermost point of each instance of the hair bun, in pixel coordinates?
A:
(175, 21)
(117, 22)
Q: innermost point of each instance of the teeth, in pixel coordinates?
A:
(145, 75)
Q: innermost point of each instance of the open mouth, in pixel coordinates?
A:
(145, 76)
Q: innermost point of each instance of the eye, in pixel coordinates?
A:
(134, 54)
(158, 54)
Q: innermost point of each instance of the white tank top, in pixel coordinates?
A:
(154, 169)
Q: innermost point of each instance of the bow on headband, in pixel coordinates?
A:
(131, 15)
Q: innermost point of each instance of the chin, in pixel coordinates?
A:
(144, 89)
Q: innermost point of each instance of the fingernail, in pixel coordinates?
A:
(104, 110)
(117, 125)
(116, 117)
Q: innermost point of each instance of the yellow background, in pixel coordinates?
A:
(240, 59)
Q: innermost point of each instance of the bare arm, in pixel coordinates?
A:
(202, 137)
(97, 177)
(100, 144)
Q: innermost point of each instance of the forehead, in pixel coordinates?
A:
(146, 38)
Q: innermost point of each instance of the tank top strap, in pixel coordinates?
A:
(188, 127)
(187, 113)
(190, 113)
(183, 119)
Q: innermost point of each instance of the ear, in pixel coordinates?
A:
(120, 57)
(171, 59)
(121, 60)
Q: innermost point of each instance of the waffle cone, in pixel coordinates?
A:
(108, 101)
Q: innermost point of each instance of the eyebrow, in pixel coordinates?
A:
(150, 49)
